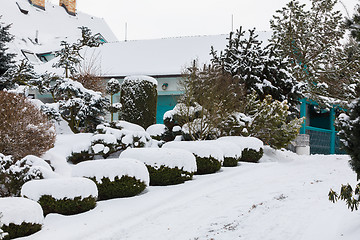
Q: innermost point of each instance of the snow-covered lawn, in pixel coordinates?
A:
(282, 198)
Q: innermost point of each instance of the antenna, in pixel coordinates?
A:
(232, 22)
(125, 31)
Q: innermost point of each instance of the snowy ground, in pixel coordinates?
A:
(282, 198)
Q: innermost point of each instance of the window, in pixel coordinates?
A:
(30, 56)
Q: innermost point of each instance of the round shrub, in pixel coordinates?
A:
(232, 152)
(66, 206)
(24, 130)
(115, 178)
(164, 176)
(251, 155)
(65, 196)
(20, 217)
(156, 131)
(119, 188)
(207, 165)
(230, 161)
(165, 166)
(139, 100)
(208, 156)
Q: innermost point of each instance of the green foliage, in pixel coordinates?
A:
(230, 162)
(269, 120)
(76, 157)
(163, 175)
(118, 188)
(207, 165)
(347, 194)
(251, 155)
(66, 206)
(13, 174)
(311, 39)
(350, 134)
(22, 230)
(139, 101)
(6, 59)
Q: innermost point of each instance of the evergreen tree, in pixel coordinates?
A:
(353, 24)
(6, 59)
(311, 39)
(256, 68)
(20, 74)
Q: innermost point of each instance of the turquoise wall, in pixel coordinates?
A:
(165, 103)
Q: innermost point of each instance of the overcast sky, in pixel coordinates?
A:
(148, 19)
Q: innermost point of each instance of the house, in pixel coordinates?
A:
(39, 27)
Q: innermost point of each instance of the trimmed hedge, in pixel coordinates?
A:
(66, 206)
(164, 176)
(119, 188)
(207, 165)
(25, 229)
(251, 155)
(230, 162)
(82, 156)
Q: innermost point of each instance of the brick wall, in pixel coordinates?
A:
(38, 3)
(70, 6)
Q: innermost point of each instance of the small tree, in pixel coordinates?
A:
(6, 59)
(138, 100)
(24, 130)
(113, 87)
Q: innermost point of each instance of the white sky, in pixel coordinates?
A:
(148, 19)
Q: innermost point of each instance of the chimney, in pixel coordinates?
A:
(69, 5)
(38, 3)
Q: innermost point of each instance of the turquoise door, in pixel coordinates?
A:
(165, 103)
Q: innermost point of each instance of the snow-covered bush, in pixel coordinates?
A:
(24, 130)
(166, 166)
(139, 100)
(62, 195)
(251, 148)
(115, 178)
(113, 87)
(232, 152)
(2, 233)
(208, 157)
(13, 174)
(20, 217)
(156, 131)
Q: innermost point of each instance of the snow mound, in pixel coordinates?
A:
(156, 130)
(244, 142)
(124, 125)
(140, 78)
(156, 157)
(111, 168)
(39, 164)
(199, 148)
(18, 210)
(229, 149)
(105, 138)
(59, 188)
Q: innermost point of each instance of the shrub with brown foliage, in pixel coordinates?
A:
(24, 130)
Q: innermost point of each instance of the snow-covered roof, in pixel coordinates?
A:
(159, 56)
(50, 27)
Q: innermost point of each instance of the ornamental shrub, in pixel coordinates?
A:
(119, 188)
(24, 130)
(230, 161)
(139, 100)
(13, 174)
(207, 165)
(77, 157)
(15, 231)
(164, 176)
(251, 155)
(66, 206)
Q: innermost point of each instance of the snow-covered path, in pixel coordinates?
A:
(282, 198)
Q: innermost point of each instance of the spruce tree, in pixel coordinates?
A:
(353, 24)
(6, 59)
(311, 39)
